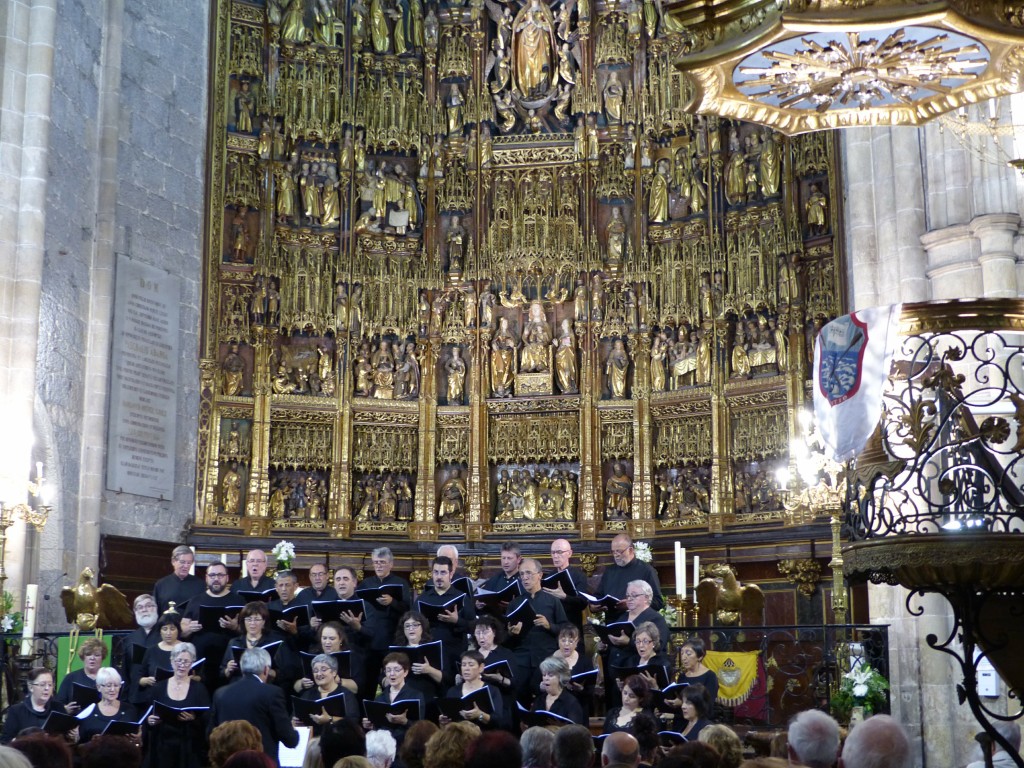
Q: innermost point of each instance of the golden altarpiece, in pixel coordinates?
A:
(472, 270)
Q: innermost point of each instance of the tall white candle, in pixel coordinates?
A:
(29, 630)
(680, 570)
(696, 575)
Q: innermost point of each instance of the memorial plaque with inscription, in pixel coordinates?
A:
(142, 433)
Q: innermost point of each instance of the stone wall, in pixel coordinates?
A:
(125, 177)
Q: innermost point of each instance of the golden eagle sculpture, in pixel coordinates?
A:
(88, 607)
(721, 598)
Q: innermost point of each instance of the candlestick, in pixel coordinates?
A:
(29, 628)
(696, 575)
(680, 570)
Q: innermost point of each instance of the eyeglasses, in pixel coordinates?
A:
(560, 551)
(254, 618)
(635, 595)
(621, 551)
(643, 641)
(412, 625)
(41, 685)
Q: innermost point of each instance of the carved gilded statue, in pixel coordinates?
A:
(331, 202)
(613, 95)
(363, 371)
(487, 302)
(340, 306)
(232, 370)
(533, 47)
(657, 207)
(703, 368)
(618, 493)
(536, 339)
(816, 208)
(565, 359)
(383, 363)
(771, 164)
(777, 330)
(245, 106)
(293, 28)
(740, 360)
(311, 203)
(615, 232)
(659, 351)
(456, 370)
(453, 109)
(380, 33)
(282, 383)
(616, 369)
(735, 171)
(503, 360)
(285, 195)
(231, 490)
(453, 499)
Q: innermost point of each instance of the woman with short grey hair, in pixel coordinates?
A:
(554, 696)
(108, 709)
(178, 740)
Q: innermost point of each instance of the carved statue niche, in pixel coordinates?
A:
(722, 599)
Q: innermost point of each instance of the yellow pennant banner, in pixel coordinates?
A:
(737, 673)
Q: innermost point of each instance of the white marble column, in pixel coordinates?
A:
(27, 82)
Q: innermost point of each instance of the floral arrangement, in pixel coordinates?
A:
(643, 551)
(670, 615)
(284, 553)
(10, 620)
(863, 686)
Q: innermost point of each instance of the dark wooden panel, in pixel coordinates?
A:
(133, 565)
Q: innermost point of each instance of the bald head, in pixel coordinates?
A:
(620, 748)
(561, 551)
(878, 742)
(449, 551)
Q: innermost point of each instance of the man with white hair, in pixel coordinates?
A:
(813, 739)
(878, 742)
(250, 698)
(380, 748)
(1000, 757)
(538, 746)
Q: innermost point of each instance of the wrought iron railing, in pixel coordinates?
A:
(953, 426)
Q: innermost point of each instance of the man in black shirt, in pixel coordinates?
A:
(509, 574)
(142, 637)
(533, 642)
(256, 579)
(319, 589)
(384, 612)
(574, 605)
(210, 642)
(178, 587)
(626, 568)
(451, 626)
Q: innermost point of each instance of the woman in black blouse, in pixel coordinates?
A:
(471, 666)
(636, 695)
(32, 711)
(109, 708)
(179, 742)
(159, 656)
(92, 652)
(252, 621)
(554, 696)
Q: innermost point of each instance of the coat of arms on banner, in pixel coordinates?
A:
(841, 362)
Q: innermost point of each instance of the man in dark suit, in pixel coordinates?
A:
(252, 700)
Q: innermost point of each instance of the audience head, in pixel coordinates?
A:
(495, 749)
(380, 748)
(1009, 730)
(645, 728)
(231, 737)
(250, 758)
(620, 748)
(414, 745)
(702, 755)
(313, 758)
(726, 743)
(447, 747)
(341, 739)
(878, 742)
(106, 751)
(44, 750)
(12, 758)
(765, 762)
(574, 747)
(538, 745)
(813, 739)
(353, 761)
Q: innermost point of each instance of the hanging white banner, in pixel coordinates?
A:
(852, 355)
